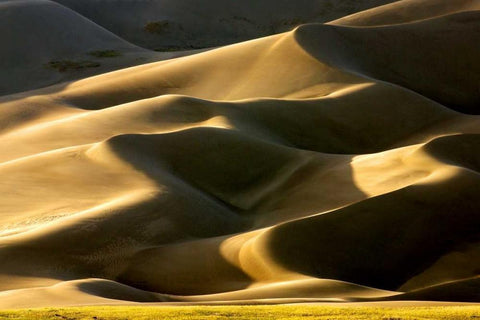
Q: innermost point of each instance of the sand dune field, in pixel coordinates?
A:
(276, 151)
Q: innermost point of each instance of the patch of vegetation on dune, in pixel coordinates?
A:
(294, 22)
(170, 49)
(248, 312)
(178, 48)
(71, 65)
(156, 27)
(105, 53)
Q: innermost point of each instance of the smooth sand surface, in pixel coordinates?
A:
(333, 163)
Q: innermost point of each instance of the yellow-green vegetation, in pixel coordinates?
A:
(169, 49)
(68, 65)
(248, 312)
(293, 22)
(177, 48)
(156, 26)
(105, 53)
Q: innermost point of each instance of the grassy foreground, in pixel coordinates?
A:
(246, 312)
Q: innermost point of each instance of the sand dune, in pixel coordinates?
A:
(85, 292)
(167, 25)
(420, 68)
(331, 163)
(407, 11)
(46, 43)
(465, 290)
(314, 60)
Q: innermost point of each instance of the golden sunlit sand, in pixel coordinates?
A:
(334, 162)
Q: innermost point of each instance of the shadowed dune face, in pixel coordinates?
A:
(335, 162)
(407, 11)
(47, 43)
(165, 200)
(192, 23)
(423, 69)
(424, 230)
(465, 290)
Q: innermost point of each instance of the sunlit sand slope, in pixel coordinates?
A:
(335, 162)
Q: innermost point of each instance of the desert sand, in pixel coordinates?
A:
(337, 161)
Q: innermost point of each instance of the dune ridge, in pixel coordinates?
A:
(334, 162)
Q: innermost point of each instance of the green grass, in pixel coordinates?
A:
(247, 312)
(105, 53)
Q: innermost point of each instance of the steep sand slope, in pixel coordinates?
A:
(322, 164)
(208, 23)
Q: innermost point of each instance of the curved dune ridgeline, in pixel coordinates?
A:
(332, 162)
